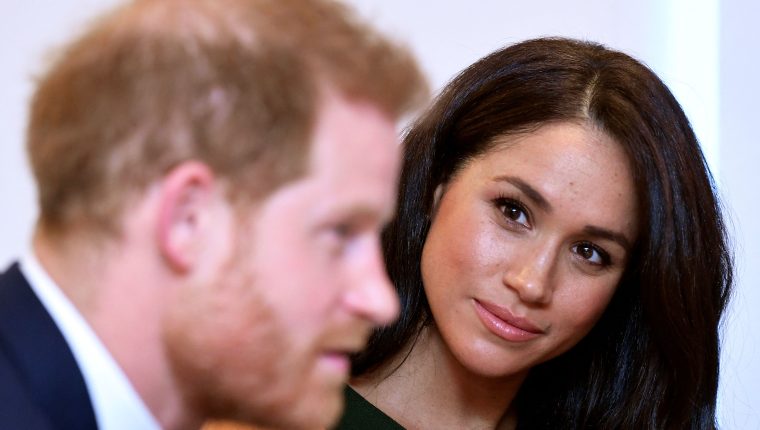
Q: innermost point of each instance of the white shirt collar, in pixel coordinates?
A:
(116, 404)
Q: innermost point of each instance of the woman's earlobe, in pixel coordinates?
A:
(437, 195)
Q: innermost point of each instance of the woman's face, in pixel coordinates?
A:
(527, 246)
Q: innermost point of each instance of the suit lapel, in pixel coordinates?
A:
(36, 348)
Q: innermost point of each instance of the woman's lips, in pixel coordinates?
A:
(501, 322)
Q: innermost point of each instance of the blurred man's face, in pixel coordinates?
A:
(268, 339)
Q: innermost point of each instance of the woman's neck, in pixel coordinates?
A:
(429, 388)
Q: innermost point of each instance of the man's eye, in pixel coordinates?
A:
(343, 230)
(592, 254)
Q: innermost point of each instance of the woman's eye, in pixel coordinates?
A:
(514, 212)
(592, 254)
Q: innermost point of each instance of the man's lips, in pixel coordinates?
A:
(503, 323)
(337, 351)
(337, 360)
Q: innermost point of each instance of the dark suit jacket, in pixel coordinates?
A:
(41, 387)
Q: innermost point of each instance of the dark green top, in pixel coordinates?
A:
(363, 415)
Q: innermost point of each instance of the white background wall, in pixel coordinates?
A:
(706, 50)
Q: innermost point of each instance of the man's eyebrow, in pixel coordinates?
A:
(362, 214)
(529, 191)
(609, 235)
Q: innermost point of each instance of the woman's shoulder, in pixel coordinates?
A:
(361, 414)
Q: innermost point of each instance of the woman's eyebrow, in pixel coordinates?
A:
(529, 191)
(609, 235)
(542, 203)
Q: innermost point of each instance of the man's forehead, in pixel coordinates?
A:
(352, 134)
(355, 200)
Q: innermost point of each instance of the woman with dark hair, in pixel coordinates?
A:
(559, 252)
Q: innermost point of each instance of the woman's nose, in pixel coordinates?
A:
(529, 274)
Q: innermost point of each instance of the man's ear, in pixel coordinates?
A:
(188, 194)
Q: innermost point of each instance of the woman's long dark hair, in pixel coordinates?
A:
(652, 359)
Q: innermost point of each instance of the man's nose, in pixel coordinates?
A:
(371, 295)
